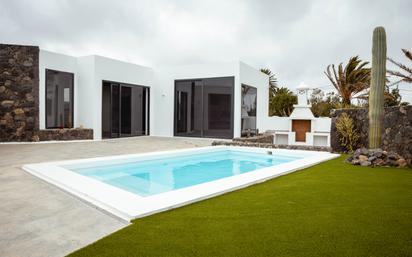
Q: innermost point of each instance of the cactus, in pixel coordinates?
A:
(377, 88)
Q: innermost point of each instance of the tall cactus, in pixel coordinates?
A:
(377, 88)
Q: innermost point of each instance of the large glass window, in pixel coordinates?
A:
(125, 110)
(249, 96)
(204, 107)
(59, 99)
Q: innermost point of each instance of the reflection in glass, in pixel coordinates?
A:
(188, 108)
(249, 98)
(59, 99)
(124, 110)
(204, 108)
(115, 104)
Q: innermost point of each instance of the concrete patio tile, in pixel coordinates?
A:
(38, 219)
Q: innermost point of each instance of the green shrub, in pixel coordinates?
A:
(347, 132)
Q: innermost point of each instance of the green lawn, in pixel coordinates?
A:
(332, 209)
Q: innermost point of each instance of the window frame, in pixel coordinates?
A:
(71, 98)
(232, 121)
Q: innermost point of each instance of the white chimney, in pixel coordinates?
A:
(303, 94)
(302, 109)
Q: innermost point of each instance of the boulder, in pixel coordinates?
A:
(357, 153)
(364, 151)
(365, 163)
(378, 153)
(401, 163)
(392, 156)
(379, 162)
(372, 158)
(377, 157)
(363, 158)
(355, 162)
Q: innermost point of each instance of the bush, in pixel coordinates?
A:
(347, 132)
(281, 102)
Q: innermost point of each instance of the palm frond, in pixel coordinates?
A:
(400, 65)
(349, 80)
(403, 77)
(273, 82)
(407, 53)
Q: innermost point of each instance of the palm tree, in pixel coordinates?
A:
(404, 77)
(281, 104)
(351, 80)
(273, 82)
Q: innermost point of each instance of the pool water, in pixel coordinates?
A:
(150, 177)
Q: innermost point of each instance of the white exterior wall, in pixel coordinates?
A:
(87, 99)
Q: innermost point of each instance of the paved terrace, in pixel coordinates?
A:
(38, 219)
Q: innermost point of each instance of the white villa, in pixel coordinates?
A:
(121, 99)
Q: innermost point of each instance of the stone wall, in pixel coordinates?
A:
(397, 131)
(263, 138)
(19, 89)
(64, 134)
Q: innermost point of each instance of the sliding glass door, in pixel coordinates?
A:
(125, 110)
(204, 107)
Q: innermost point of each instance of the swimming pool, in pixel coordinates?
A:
(161, 175)
(131, 186)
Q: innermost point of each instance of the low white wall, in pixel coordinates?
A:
(275, 123)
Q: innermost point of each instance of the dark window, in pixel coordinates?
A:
(59, 99)
(125, 110)
(204, 107)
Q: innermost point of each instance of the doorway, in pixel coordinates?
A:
(125, 110)
(300, 127)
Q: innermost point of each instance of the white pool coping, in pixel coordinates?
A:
(128, 206)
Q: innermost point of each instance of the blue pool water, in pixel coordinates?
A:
(150, 177)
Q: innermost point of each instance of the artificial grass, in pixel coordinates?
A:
(332, 209)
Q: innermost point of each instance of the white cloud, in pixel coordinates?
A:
(296, 39)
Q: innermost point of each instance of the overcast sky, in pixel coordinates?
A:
(295, 39)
